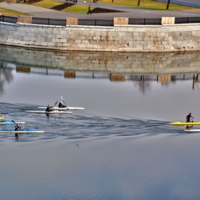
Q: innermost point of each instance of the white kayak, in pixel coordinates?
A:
(64, 108)
(192, 130)
(11, 122)
(51, 112)
(21, 131)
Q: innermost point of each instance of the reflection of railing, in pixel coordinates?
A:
(100, 22)
(102, 75)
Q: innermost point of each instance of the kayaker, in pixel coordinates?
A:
(188, 117)
(61, 104)
(48, 109)
(17, 127)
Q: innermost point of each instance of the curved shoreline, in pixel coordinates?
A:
(119, 38)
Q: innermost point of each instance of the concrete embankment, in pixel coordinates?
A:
(123, 38)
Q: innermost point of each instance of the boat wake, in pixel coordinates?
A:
(80, 125)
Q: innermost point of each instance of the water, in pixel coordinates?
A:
(119, 147)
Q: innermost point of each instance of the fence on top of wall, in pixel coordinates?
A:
(99, 22)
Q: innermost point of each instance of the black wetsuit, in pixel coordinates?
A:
(17, 128)
(188, 118)
(48, 109)
(60, 105)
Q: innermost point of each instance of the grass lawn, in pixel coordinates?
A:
(145, 4)
(72, 9)
(11, 12)
(47, 3)
(77, 9)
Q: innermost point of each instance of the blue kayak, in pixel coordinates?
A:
(11, 122)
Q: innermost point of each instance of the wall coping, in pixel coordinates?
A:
(100, 27)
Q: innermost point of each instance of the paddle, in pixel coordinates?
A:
(2, 116)
(55, 104)
(21, 128)
(63, 100)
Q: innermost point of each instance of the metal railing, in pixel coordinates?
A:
(49, 21)
(144, 21)
(100, 22)
(184, 20)
(9, 19)
(95, 22)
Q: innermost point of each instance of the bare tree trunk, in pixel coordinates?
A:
(138, 3)
(168, 4)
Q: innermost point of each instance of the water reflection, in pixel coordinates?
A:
(110, 62)
(141, 68)
(5, 76)
(105, 83)
(85, 155)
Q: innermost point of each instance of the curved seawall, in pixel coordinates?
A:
(122, 38)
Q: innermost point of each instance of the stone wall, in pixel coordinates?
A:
(123, 38)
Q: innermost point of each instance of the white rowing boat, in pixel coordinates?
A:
(21, 131)
(192, 130)
(50, 112)
(64, 108)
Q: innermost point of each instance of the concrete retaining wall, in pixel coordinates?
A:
(123, 38)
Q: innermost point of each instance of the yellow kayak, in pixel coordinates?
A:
(1, 117)
(185, 123)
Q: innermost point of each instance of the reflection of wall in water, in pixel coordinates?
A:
(113, 62)
(143, 82)
(6, 76)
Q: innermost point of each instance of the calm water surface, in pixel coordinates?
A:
(119, 147)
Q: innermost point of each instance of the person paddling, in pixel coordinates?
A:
(188, 117)
(48, 109)
(61, 104)
(17, 127)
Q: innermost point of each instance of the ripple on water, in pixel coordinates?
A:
(78, 125)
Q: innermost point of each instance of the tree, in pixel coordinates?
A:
(168, 4)
(138, 3)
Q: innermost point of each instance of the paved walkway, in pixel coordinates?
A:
(128, 11)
